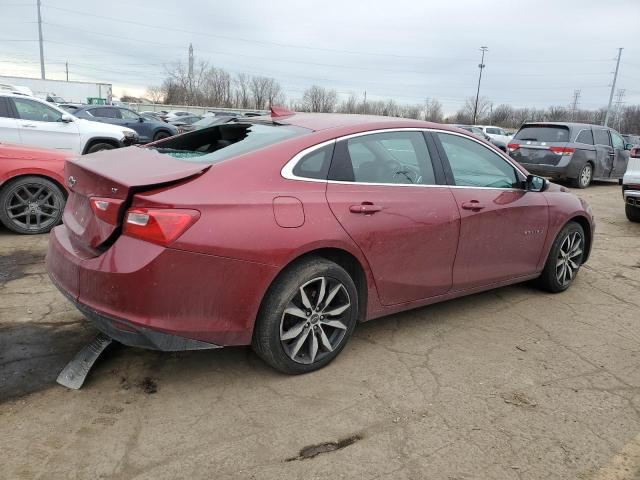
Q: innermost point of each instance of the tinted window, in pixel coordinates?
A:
(36, 111)
(495, 131)
(128, 114)
(585, 136)
(618, 142)
(475, 165)
(550, 134)
(105, 112)
(601, 137)
(215, 144)
(4, 108)
(393, 157)
(315, 164)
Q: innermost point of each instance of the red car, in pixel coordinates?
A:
(283, 232)
(32, 192)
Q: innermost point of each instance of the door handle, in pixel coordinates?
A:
(28, 125)
(365, 208)
(473, 205)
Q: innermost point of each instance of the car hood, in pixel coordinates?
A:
(99, 127)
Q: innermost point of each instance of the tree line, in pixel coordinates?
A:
(215, 87)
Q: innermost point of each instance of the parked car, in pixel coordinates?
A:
(148, 129)
(477, 131)
(499, 137)
(631, 185)
(32, 192)
(152, 115)
(578, 152)
(223, 113)
(631, 139)
(185, 120)
(205, 122)
(172, 115)
(284, 232)
(30, 121)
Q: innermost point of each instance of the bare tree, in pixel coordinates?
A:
(260, 88)
(242, 97)
(155, 93)
(319, 99)
(433, 110)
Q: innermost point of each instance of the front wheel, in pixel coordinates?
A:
(564, 260)
(96, 147)
(161, 135)
(306, 317)
(633, 212)
(31, 205)
(585, 177)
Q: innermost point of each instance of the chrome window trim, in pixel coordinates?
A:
(287, 171)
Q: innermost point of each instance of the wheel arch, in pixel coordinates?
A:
(94, 140)
(586, 226)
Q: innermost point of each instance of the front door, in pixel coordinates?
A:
(42, 126)
(605, 155)
(621, 156)
(384, 193)
(503, 227)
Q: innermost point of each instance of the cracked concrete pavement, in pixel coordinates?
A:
(508, 384)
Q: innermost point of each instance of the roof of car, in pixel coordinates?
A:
(564, 124)
(324, 121)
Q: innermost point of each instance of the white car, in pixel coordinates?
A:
(631, 185)
(27, 120)
(498, 136)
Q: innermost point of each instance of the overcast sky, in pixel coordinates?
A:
(539, 51)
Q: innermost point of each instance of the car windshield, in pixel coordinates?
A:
(543, 133)
(221, 142)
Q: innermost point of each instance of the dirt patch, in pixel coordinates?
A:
(326, 447)
(13, 266)
(518, 399)
(148, 385)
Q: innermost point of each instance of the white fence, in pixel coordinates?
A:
(157, 107)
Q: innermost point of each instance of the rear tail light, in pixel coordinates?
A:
(161, 226)
(106, 209)
(562, 150)
(635, 152)
(512, 147)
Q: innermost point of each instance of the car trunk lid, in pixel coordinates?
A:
(540, 144)
(102, 184)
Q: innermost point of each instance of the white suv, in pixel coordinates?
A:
(498, 136)
(631, 185)
(28, 120)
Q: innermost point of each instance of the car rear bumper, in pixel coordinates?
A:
(544, 170)
(150, 296)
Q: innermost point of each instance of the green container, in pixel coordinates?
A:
(96, 101)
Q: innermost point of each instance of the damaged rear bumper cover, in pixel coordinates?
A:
(134, 335)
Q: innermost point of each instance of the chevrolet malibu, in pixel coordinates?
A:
(284, 231)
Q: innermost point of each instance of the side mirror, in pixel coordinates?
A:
(628, 146)
(141, 119)
(534, 183)
(66, 118)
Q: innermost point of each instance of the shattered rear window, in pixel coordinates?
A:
(221, 142)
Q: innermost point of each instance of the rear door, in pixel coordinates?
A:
(391, 199)
(605, 155)
(9, 131)
(42, 126)
(538, 144)
(621, 156)
(502, 227)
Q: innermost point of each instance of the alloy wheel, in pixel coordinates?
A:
(314, 322)
(33, 206)
(585, 175)
(569, 257)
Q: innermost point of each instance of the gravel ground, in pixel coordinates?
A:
(508, 384)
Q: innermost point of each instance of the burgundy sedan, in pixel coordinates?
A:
(284, 232)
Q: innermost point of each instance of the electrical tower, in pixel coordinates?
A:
(574, 104)
(618, 109)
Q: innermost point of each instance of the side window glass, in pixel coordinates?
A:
(474, 165)
(585, 136)
(390, 158)
(315, 164)
(618, 142)
(4, 108)
(35, 111)
(601, 137)
(128, 114)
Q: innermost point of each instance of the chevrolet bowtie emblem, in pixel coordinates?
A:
(71, 181)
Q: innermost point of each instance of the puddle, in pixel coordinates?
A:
(13, 266)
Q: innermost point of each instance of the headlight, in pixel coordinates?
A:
(128, 134)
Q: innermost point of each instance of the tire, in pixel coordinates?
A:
(564, 260)
(585, 177)
(161, 135)
(633, 213)
(96, 147)
(311, 337)
(31, 205)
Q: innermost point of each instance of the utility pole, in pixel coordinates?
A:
(190, 71)
(66, 68)
(574, 104)
(613, 87)
(40, 39)
(365, 102)
(481, 66)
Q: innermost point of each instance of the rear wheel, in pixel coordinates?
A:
(160, 136)
(585, 177)
(564, 260)
(633, 212)
(306, 317)
(31, 205)
(100, 146)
